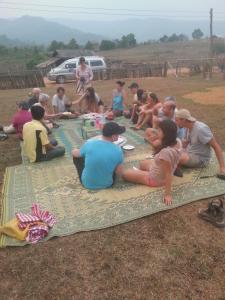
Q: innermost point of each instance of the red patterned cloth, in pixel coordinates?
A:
(39, 223)
(37, 233)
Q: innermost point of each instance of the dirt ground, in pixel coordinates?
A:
(170, 255)
(214, 95)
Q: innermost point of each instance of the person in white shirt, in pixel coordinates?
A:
(84, 75)
(62, 105)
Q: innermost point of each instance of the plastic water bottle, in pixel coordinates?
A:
(102, 120)
(97, 123)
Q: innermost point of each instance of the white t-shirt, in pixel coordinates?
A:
(199, 138)
(59, 103)
(87, 74)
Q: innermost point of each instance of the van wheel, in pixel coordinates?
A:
(60, 79)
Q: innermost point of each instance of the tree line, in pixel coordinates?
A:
(30, 56)
(127, 41)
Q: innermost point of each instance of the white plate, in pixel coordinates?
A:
(121, 141)
(67, 113)
(128, 147)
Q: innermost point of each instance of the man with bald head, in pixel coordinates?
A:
(167, 112)
(35, 97)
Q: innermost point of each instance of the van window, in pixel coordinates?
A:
(70, 66)
(96, 63)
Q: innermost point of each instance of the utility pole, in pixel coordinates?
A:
(211, 32)
(211, 41)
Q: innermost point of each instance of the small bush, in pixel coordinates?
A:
(219, 47)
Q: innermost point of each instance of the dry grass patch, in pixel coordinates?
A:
(215, 95)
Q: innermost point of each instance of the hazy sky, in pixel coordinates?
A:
(121, 9)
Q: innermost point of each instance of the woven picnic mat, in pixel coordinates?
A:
(55, 186)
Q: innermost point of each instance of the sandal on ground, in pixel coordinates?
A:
(3, 136)
(221, 176)
(55, 125)
(134, 128)
(178, 173)
(214, 213)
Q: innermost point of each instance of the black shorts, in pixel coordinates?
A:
(100, 102)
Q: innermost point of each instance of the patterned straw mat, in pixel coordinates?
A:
(55, 186)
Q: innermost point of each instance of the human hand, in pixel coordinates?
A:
(141, 111)
(168, 199)
(185, 143)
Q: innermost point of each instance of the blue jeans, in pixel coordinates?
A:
(53, 153)
(53, 142)
(79, 164)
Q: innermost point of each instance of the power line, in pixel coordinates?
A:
(105, 9)
(191, 17)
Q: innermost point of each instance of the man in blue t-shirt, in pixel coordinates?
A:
(98, 160)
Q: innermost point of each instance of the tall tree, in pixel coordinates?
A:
(89, 46)
(72, 44)
(107, 45)
(197, 34)
(131, 41)
(164, 39)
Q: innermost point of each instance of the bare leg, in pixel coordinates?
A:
(145, 165)
(184, 159)
(9, 129)
(140, 119)
(155, 122)
(145, 120)
(134, 111)
(136, 176)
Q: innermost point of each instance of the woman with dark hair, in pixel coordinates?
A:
(119, 99)
(146, 111)
(159, 170)
(137, 104)
(84, 75)
(91, 102)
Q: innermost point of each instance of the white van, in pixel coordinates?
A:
(66, 71)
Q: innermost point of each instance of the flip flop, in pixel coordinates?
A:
(55, 125)
(3, 136)
(221, 176)
(134, 128)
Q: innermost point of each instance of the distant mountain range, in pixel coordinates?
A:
(40, 31)
(144, 29)
(37, 30)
